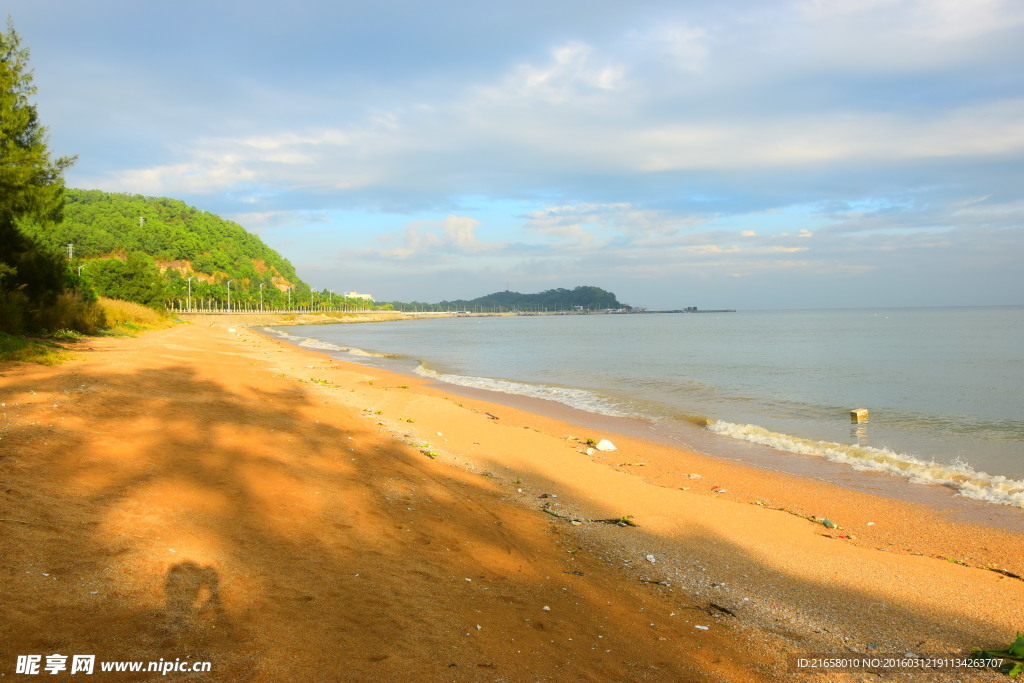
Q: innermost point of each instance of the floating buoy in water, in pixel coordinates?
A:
(858, 415)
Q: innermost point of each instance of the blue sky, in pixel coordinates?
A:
(742, 154)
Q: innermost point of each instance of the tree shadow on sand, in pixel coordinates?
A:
(229, 524)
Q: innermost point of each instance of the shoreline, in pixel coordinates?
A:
(940, 496)
(936, 497)
(927, 526)
(934, 501)
(285, 474)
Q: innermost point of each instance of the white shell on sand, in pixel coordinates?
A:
(605, 445)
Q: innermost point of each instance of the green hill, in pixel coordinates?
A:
(144, 249)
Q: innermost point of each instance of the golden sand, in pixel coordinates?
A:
(205, 492)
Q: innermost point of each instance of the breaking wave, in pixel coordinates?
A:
(322, 345)
(959, 476)
(574, 398)
(319, 345)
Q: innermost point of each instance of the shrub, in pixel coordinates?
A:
(70, 311)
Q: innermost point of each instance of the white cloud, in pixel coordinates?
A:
(342, 160)
(452, 234)
(571, 70)
(616, 217)
(687, 46)
(572, 113)
(946, 20)
(263, 221)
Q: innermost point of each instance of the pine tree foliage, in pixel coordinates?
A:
(37, 290)
(31, 183)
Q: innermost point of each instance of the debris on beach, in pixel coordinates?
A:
(997, 570)
(605, 445)
(1012, 656)
(547, 508)
(719, 608)
(650, 558)
(621, 521)
(824, 521)
(618, 521)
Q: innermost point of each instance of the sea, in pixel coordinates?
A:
(943, 387)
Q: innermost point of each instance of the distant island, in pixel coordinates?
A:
(585, 299)
(581, 299)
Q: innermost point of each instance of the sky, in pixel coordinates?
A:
(736, 154)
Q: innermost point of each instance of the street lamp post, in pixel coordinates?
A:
(189, 282)
(229, 295)
(80, 270)
(290, 288)
(262, 285)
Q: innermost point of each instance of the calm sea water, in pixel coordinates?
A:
(944, 387)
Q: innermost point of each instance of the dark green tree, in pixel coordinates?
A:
(31, 183)
(32, 276)
(136, 279)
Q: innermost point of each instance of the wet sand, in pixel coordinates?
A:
(216, 495)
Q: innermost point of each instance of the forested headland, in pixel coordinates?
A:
(161, 252)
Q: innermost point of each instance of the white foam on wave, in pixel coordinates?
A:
(959, 476)
(370, 354)
(311, 343)
(574, 398)
(320, 345)
(280, 333)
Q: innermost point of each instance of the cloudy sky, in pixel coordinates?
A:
(743, 154)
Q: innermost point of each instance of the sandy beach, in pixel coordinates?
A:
(206, 493)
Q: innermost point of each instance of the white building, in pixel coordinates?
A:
(356, 295)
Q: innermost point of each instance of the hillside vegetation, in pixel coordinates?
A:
(144, 249)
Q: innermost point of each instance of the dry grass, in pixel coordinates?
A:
(110, 317)
(125, 318)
